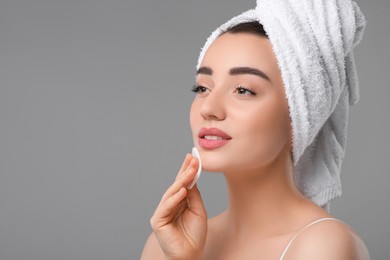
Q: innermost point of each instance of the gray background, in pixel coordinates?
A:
(94, 101)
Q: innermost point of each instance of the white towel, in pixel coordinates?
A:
(313, 41)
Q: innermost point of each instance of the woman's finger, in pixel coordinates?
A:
(195, 201)
(186, 162)
(163, 214)
(173, 199)
(184, 180)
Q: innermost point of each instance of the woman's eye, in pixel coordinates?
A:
(244, 91)
(198, 89)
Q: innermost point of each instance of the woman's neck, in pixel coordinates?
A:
(262, 201)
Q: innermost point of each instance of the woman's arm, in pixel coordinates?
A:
(152, 249)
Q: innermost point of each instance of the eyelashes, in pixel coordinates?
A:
(198, 89)
(245, 91)
(241, 90)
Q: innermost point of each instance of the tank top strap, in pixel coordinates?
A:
(302, 229)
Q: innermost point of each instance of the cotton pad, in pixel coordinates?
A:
(195, 153)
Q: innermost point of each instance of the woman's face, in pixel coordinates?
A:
(239, 91)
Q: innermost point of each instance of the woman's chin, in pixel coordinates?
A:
(213, 167)
(220, 162)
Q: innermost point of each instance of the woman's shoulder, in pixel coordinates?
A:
(327, 238)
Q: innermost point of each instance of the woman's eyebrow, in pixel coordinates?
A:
(248, 70)
(204, 70)
(236, 71)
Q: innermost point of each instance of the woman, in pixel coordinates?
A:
(247, 123)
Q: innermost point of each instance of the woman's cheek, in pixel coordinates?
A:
(194, 118)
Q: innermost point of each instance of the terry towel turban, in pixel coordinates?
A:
(313, 41)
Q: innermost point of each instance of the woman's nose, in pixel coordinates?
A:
(213, 106)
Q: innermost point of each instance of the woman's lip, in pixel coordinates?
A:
(212, 144)
(215, 138)
(213, 132)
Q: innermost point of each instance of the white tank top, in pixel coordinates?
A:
(296, 234)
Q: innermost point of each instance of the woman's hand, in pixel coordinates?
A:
(180, 220)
